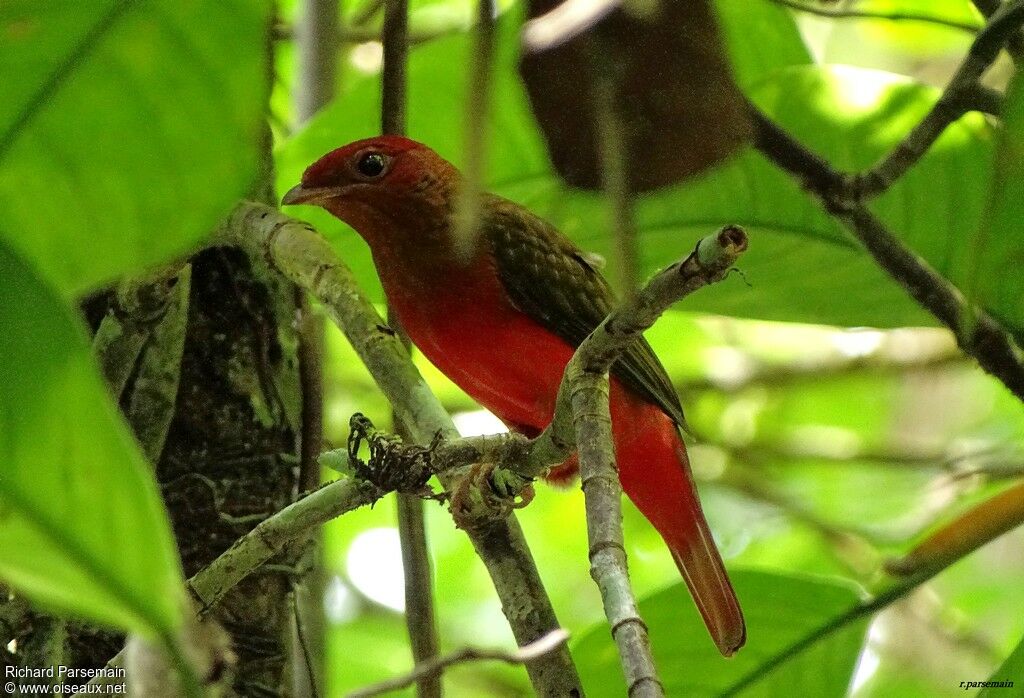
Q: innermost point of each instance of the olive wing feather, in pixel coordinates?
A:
(550, 280)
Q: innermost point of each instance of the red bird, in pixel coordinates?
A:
(503, 321)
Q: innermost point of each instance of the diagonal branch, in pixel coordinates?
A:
(959, 97)
(896, 16)
(585, 389)
(977, 333)
(299, 253)
(1015, 45)
(435, 667)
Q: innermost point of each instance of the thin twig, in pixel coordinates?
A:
(247, 554)
(434, 668)
(419, 583)
(855, 613)
(563, 22)
(394, 36)
(270, 536)
(959, 96)
(317, 38)
(478, 100)
(1015, 45)
(851, 13)
(317, 44)
(585, 387)
(302, 255)
(611, 138)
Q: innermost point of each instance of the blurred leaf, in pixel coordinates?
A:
(761, 37)
(780, 610)
(671, 86)
(131, 125)
(998, 249)
(1012, 670)
(82, 526)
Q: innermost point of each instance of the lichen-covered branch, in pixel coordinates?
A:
(271, 535)
(303, 256)
(585, 386)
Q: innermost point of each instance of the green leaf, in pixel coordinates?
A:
(778, 43)
(780, 610)
(998, 246)
(1012, 670)
(82, 525)
(132, 125)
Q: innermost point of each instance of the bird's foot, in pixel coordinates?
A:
(487, 492)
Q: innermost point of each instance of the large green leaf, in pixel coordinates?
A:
(778, 43)
(780, 610)
(801, 266)
(998, 248)
(82, 526)
(1012, 670)
(133, 125)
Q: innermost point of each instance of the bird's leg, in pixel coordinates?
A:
(488, 491)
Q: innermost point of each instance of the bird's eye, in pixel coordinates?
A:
(371, 165)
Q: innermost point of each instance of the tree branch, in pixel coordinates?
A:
(478, 100)
(418, 579)
(302, 255)
(585, 387)
(959, 97)
(1015, 45)
(434, 668)
(851, 13)
(976, 332)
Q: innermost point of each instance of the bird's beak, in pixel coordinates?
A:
(308, 195)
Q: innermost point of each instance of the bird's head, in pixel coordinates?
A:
(381, 186)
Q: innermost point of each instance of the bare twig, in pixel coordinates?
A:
(317, 44)
(565, 21)
(478, 99)
(302, 255)
(396, 47)
(853, 13)
(538, 648)
(585, 387)
(419, 589)
(268, 538)
(1015, 45)
(419, 583)
(317, 40)
(611, 138)
(959, 96)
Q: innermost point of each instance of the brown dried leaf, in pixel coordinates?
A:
(681, 109)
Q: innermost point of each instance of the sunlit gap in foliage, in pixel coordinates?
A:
(340, 604)
(478, 423)
(867, 663)
(858, 343)
(374, 566)
(367, 57)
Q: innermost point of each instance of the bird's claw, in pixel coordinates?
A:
(488, 492)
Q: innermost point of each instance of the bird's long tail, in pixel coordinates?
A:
(655, 474)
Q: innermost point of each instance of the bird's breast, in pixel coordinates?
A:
(464, 323)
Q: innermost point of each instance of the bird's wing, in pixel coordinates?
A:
(552, 282)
